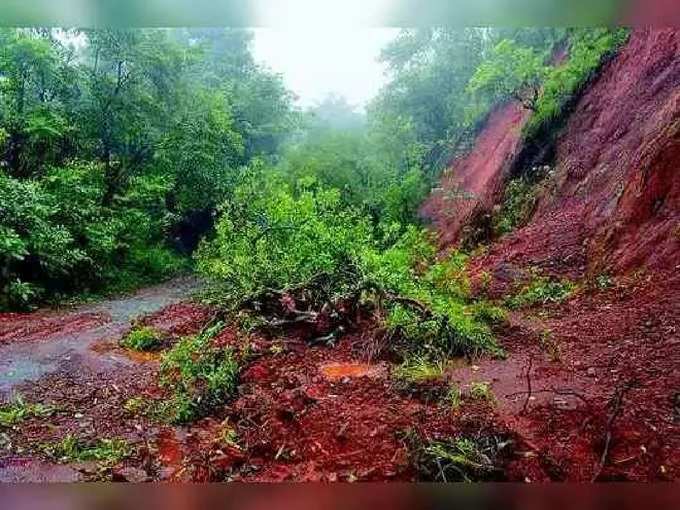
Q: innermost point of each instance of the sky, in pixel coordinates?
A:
(324, 46)
(318, 61)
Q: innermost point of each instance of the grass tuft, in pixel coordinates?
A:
(143, 339)
(200, 375)
(19, 410)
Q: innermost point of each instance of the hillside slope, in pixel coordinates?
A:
(612, 201)
(591, 383)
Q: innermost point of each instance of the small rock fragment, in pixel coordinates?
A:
(130, 474)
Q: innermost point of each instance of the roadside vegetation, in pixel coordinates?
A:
(119, 148)
(115, 148)
(18, 410)
(199, 375)
(143, 339)
(107, 452)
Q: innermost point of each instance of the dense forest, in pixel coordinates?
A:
(120, 148)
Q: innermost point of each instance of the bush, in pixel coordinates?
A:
(200, 374)
(271, 238)
(518, 205)
(143, 339)
(57, 237)
(588, 49)
(431, 310)
(542, 290)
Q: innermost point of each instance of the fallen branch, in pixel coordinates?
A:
(413, 303)
(529, 393)
(616, 403)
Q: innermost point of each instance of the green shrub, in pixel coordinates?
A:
(460, 460)
(434, 314)
(143, 339)
(18, 410)
(72, 449)
(542, 291)
(201, 376)
(273, 238)
(453, 397)
(588, 49)
(57, 237)
(416, 369)
(489, 313)
(518, 205)
(270, 238)
(482, 391)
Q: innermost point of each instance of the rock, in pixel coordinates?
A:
(591, 372)
(87, 468)
(130, 474)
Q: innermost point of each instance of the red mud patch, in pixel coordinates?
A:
(607, 340)
(473, 183)
(339, 371)
(178, 320)
(297, 425)
(28, 327)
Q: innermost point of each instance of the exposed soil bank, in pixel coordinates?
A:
(472, 184)
(612, 203)
(611, 206)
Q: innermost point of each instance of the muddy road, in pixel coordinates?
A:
(35, 345)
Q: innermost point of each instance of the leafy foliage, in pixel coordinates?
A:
(200, 374)
(510, 71)
(416, 369)
(72, 449)
(110, 148)
(518, 205)
(271, 238)
(542, 291)
(588, 49)
(18, 410)
(143, 339)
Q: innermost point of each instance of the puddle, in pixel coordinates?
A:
(113, 349)
(338, 371)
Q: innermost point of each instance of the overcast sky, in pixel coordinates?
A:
(318, 61)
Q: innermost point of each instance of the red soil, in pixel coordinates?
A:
(613, 203)
(604, 340)
(181, 319)
(472, 183)
(299, 424)
(26, 327)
